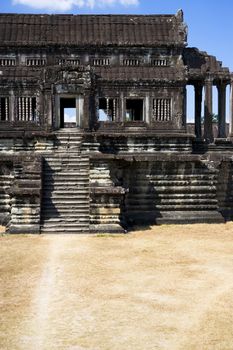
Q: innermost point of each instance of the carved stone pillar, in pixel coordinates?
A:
(231, 108)
(198, 101)
(208, 128)
(221, 110)
(85, 123)
(47, 109)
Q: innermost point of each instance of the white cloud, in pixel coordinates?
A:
(66, 5)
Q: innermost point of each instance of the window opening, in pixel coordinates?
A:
(134, 110)
(162, 109)
(69, 61)
(101, 62)
(4, 108)
(26, 109)
(160, 62)
(131, 62)
(107, 109)
(35, 62)
(7, 62)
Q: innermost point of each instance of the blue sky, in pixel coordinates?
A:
(210, 25)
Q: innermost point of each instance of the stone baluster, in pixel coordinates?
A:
(221, 110)
(208, 128)
(198, 102)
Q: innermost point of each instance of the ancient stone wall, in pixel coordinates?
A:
(20, 194)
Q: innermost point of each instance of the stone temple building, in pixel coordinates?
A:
(93, 126)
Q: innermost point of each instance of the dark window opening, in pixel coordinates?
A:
(4, 108)
(68, 112)
(134, 110)
(26, 109)
(107, 109)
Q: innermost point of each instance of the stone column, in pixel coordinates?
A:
(47, 108)
(185, 107)
(221, 110)
(122, 107)
(12, 107)
(87, 110)
(231, 108)
(208, 128)
(198, 102)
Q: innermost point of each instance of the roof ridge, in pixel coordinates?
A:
(85, 15)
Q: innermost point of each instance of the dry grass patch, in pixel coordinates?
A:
(167, 288)
(21, 263)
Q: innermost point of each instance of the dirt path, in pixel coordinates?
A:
(168, 288)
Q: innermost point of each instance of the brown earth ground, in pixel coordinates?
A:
(170, 287)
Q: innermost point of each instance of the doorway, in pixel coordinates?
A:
(68, 112)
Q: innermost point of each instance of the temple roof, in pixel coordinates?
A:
(122, 30)
(201, 65)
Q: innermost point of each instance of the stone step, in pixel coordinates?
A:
(63, 230)
(70, 173)
(67, 179)
(67, 220)
(195, 174)
(61, 197)
(69, 216)
(177, 217)
(66, 190)
(145, 183)
(66, 182)
(170, 195)
(59, 226)
(175, 189)
(70, 163)
(66, 158)
(68, 143)
(74, 162)
(66, 202)
(165, 201)
(184, 182)
(68, 136)
(49, 187)
(188, 207)
(62, 211)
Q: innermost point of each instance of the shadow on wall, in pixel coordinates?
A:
(171, 192)
(48, 209)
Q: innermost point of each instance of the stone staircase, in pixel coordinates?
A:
(175, 195)
(225, 190)
(5, 200)
(66, 199)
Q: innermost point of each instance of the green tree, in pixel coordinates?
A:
(214, 118)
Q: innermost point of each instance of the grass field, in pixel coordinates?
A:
(170, 287)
